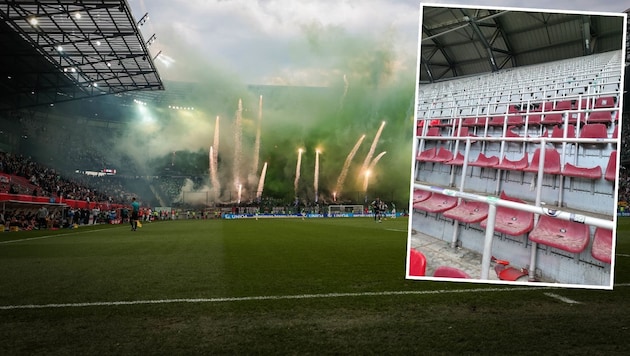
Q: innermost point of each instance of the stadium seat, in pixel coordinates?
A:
(458, 160)
(594, 131)
(603, 117)
(511, 120)
(602, 245)
(433, 131)
(534, 119)
(442, 155)
(420, 195)
(565, 235)
(558, 131)
(468, 212)
(509, 165)
(611, 167)
(464, 132)
(483, 161)
(437, 203)
(605, 102)
(449, 272)
(575, 117)
(469, 121)
(553, 119)
(417, 263)
(481, 121)
(582, 172)
(510, 221)
(427, 155)
(563, 105)
(551, 164)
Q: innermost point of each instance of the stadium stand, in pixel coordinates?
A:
(565, 108)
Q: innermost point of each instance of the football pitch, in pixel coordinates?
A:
(279, 286)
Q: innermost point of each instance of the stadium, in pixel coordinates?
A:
(256, 234)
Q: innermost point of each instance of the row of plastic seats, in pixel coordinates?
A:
(589, 130)
(532, 119)
(551, 165)
(561, 234)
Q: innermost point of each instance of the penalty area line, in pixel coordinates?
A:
(269, 297)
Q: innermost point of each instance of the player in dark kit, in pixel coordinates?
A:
(135, 210)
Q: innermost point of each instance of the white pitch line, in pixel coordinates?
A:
(287, 297)
(48, 236)
(562, 299)
(269, 297)
(397, 230)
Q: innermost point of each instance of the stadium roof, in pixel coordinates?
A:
(62, 50)
(467, 41)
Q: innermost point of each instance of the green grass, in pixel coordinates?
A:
(279, 257)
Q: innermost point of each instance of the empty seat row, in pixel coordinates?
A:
(551, 165)
(561, 234)
(538, 119)
(590, 130)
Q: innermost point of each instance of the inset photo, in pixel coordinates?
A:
(517, 146)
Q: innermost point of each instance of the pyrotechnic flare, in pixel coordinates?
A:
(368, 158)
(238, 142)
(346, 165)
(370, 169)
(261, 182)
(257, 141)
(316, 180)
(297, 171)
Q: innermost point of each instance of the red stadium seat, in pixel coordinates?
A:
(469, 121)
(558, 131)
(458, 160)
(433, 131)
(575, 117)
(483, 161)
(511, 120)
(603, 117)
(605, 102)
(582, 172)
(611, 167)
(468, 212)
(553, 119)
(442, 155)
(594, 131)
(427, 155)
(437, 203)
(510, 165)
(510, 221)
(602, 245)
(563, 105)
(551, 164)
(534, 119)
(417, 263)
(565, 235)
